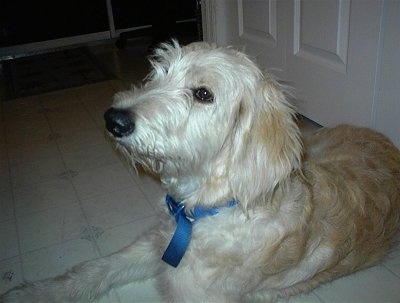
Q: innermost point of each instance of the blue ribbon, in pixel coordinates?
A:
(183, 232)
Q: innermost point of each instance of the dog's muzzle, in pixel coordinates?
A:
(119, 122)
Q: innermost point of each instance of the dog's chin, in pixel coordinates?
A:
(152, 166)
(147, 161)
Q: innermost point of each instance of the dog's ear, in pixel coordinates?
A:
(266, 145)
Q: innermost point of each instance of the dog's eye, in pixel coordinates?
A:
(202, 94)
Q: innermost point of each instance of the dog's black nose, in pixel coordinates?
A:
(119, 122)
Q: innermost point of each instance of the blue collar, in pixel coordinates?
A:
(181, 238)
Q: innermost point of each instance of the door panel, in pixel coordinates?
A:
(333, 66)
(320, 37)
(253, 26)
(262, 30)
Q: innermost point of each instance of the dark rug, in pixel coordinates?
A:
(52, 71)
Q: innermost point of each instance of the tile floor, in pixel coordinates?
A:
(65, 197)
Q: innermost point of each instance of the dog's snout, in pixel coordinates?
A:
(119, 122)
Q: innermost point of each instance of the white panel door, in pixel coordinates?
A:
(332, 54)
(254, 26)
(330, 51)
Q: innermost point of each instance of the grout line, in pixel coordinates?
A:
(318, 297)
(78, 200)
(12, 190)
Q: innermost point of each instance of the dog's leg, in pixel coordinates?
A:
(92, 279)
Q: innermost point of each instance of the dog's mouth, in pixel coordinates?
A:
(149, 159)
(135, 146)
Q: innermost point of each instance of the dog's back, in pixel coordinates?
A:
(354, 174)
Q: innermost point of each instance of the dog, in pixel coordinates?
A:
(253, 212)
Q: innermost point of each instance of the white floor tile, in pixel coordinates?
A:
(32, 151)
(10, 273)
(89, 157)
(373, 285)
(302, 298)
(8, 240)
(20, 115)
(102, 180)
(5, 179)
(69, 119)
(3, 148)
(36, 172)
(97, 107)
(121, 236)
(41, 196)
(392, 262)
(111, 297)
(76, 141)
(51, 226)
(102, 91)
(22, 107)
(20, 137)
(6, 205)
(116, 208)
(141, 292)
(151, 188)
(66, 97)
(55, 260)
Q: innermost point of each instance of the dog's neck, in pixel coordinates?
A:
(194, 191)
(180, 187)
(185, 219)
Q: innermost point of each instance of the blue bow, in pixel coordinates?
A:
(181, 238)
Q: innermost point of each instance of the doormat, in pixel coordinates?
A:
(52, 71)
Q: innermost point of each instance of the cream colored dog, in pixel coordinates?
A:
(216, 130)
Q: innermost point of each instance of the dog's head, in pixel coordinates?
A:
(209, 123)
